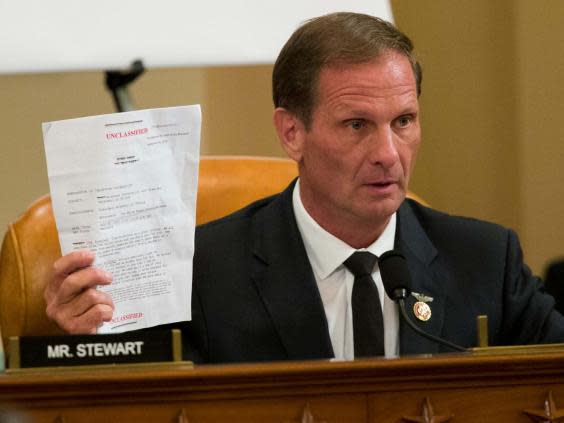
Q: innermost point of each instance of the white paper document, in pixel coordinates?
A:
(124, 186)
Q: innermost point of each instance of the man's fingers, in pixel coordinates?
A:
(71, 296)
(88, 322)
(80, 281)
(85, 301)
(84, 313)
(72, 262)
(89, 299)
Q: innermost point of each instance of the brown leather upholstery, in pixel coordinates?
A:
(226, 183)
(29, 249)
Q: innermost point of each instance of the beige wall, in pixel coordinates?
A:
(492, 106)
(540, 41)
(493, 146)
(469, 163)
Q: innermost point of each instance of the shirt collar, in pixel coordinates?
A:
(327, 252)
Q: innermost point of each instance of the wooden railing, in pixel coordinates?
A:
(457, 388)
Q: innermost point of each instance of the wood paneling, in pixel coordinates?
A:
(466, 388)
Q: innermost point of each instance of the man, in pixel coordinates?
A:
(277, 280)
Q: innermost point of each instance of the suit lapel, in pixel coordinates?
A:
(428, 278)
(284, 279)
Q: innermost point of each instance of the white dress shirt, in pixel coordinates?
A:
(326, 253)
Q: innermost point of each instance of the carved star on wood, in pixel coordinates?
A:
(427, 415)
(550, 414)
(182, 417)
(307, 416)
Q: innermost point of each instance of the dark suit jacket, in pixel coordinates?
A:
(255, 296)
(554, 280)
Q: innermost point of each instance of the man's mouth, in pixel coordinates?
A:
(382, 183)
(382, 187)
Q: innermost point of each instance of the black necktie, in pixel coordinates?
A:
(368, 322)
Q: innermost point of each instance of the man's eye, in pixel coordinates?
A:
(404, 121)
(356, 124)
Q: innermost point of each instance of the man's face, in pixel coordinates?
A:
(356, 158)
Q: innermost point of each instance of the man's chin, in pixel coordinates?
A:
(383, 208)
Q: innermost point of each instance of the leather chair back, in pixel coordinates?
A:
(31, 245)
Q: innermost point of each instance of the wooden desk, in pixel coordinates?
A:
(470, 389)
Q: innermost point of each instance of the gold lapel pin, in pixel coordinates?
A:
(421, 309)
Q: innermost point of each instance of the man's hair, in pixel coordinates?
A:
(332, 40)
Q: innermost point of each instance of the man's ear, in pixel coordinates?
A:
(291, 132)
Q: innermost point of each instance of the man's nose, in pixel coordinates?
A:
(383, 147)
